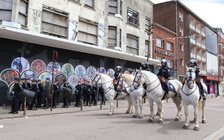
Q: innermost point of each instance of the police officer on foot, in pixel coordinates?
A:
(16, 90)
(117, 73)
(164, 74)
(193, 64)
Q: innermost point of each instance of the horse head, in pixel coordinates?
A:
(97, 80)
(190, 77)
(139, 79)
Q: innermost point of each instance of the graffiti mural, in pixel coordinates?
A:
(36, 20)
(45, 74)
(20, 64)
(8, 75)
(91, 72)
(38, 66)
(57, 67)
(80, 70)
(29, 74)
(67, 69)
(73, 79)
(110, 72)
(59, 77)
(102, 70)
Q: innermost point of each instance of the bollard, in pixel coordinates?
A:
(24, 106)
(117, 103)
(81, 103)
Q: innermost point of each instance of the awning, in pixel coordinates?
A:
(37, 38)
(211, 78)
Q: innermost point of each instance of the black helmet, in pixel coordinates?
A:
(164, 61)
(118, 69)
(193, 63)
(145, 65)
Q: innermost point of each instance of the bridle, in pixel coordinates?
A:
(138, 78)
(97, 78)
(188, 79)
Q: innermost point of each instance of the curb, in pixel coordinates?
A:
(218, 134)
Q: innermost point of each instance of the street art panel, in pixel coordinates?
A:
(20, 64)
(68, 69)
(38, 66)
(8, 75)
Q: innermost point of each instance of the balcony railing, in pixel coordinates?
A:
(192, 27)
(203, 34)
(198, 30)
(192, 41)
(193, 55)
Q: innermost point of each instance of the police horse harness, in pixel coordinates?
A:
(191, 96)
(135, 93)
(155, 93)
(107, 83)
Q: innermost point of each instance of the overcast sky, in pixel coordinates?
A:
(211, 11)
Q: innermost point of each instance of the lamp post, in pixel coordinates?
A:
(149, 32)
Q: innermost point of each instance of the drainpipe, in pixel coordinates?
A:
(177, 32)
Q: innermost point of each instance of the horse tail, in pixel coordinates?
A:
(199, 106)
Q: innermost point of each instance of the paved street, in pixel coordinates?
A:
(93, 124)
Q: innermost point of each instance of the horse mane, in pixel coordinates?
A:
(105, 77)
(129, 77)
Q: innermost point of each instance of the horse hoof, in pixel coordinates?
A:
(134, 116)
(160, 121)
(127, 112)
(196, 128)
(110, 114)
(150, 120)
(176, 119)
(185, 127)
(141, 116)
(203, 121)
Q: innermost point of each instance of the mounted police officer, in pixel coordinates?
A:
(145, 66)
(193, 64)
(117, 73)
(164, 74)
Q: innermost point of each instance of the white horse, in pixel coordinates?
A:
(155, 93)
(190, 96)
(136, 94)
(107, 83)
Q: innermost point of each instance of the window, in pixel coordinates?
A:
(181, 16)
(89, 3)
(88, 32)
(181, 47)
(133, 17)
(146, 48)
(6, 10)
(112, 36)
(169, 46)
(23, 12)
(147, 23)
(181, 32)
(170, 63)
(112, 7)
(54, 22)
(132, 44)
(159, 42)
(159, 58)
(182, 62)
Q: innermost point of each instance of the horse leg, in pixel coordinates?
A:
(160, 111)
(186, 124)
(151, 115)
(130, 106)
(111, 104)
(140, 107)
(203, 112)
(179, 107)
(136, 108)
(196, 127)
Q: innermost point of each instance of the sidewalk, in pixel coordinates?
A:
(4, 110)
